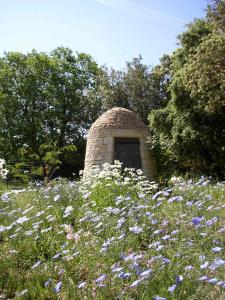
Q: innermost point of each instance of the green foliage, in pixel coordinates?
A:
(138, 87)
(215, 14)
(44, 99)
(49, 101)
(188, 133)
(115, 236)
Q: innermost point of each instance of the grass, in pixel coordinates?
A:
(110, 237)
(6, 187)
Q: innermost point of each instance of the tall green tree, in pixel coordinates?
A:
(138, 87)
(44, 100)
(190, 131)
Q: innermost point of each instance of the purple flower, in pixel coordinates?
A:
(197, 220)
(179, 279)
(201, 257)
(22, 220)
(175, 232)
(146, 273)
(220, 283)
(129, 257)
(136, 229)
(165, 222)
(137, 268)
(217, 263)
(48, 282)
(123, 275)
(136, 282)
(158, 298)
(120, 222)
(58, 287)
(149, 214)
(172, 288)
(166, 260)
(188, 268)
(216, 249)
(221, 230)
(166, 237)
(157, 231)
(203, 278)
(116, 269)
(141, 207)
(101, 278)
(2, 228)
(175, 198)
(154, 221)
(211, 222)
(216, 242)
(205, 265)
(212, 280)
(157, 195)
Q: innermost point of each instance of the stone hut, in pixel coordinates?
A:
(119, 134)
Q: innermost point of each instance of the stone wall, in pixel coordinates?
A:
(117, 122)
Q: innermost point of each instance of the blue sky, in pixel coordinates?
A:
(112, 31)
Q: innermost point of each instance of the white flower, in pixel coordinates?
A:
(46, 229)
(21, 293)
(56, 198)
(81, 285)
(3, 171)
(68, 228)
(36, 264)
(67, 211)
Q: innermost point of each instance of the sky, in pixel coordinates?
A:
(112, 31)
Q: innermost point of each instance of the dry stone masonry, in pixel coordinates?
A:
(118, 125)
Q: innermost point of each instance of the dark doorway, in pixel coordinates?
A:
(127, 151)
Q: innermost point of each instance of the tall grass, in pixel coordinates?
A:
(113, 237)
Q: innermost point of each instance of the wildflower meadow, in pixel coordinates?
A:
(113, 235)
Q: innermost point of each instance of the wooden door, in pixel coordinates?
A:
(127, 151)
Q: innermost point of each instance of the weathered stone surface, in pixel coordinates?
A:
(116, 122)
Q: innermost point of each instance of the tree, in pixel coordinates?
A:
(216, 15)
(190, 130)
(44, 99)
(138, 87)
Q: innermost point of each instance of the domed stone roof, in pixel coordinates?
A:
(118, 118)
(118, 134)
